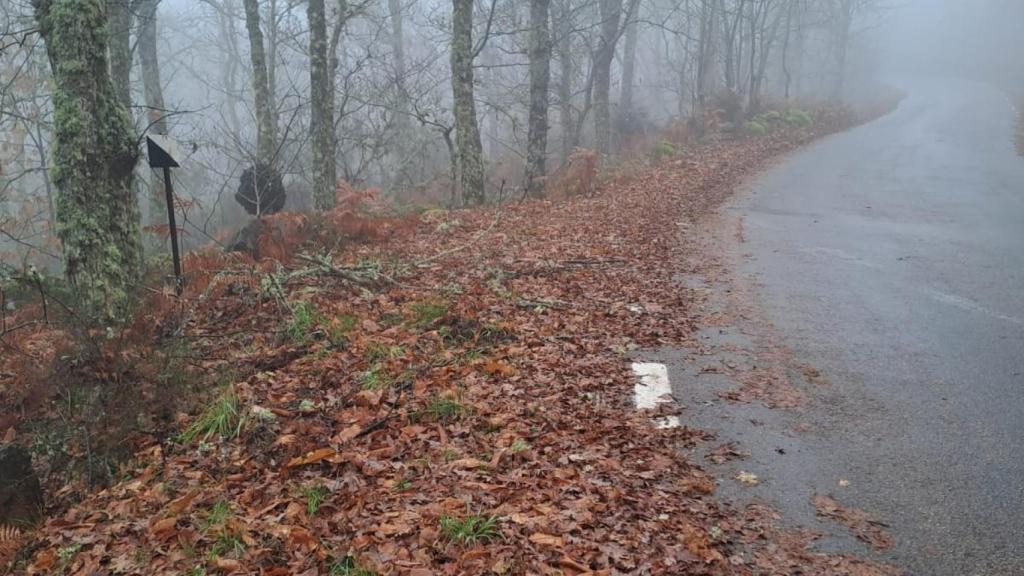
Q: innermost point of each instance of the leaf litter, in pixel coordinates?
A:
(475, 416)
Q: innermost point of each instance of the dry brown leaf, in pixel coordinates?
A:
(547, 539)
(312, 457)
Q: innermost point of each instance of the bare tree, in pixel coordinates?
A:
(322, 108)
(266, 129)
(540, 78)
(467, 131)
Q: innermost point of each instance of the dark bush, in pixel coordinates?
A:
(260, 190)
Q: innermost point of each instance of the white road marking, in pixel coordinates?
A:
(653, 389)
(970, 306)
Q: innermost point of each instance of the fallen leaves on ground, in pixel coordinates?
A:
(863, 526)
(485, 384)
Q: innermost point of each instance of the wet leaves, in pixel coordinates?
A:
(497, 434)
(863, 526)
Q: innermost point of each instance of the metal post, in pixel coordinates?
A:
(178, 285)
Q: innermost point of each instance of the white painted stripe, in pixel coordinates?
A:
(653, 389)
(970, 306)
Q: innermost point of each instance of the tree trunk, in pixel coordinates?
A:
(403, 127)
(467, 131)
(153, 92)
(625, 115)
(266, 130)
(563, 31)
(94, 156)
(119, 18)
(611, 13)
(705, 61)
(540, 78)
(321, 95)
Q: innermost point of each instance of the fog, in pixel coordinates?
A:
(702, 64)
(976, 39)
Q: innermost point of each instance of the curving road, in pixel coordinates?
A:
(891, 257)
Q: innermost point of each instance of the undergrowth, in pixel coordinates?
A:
(223, 418)
(470, 530)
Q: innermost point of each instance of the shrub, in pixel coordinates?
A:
(663, 149)
(755, 128)
(799, 118)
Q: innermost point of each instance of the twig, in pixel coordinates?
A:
(445, 253)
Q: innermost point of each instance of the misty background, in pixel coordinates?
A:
(393, 108)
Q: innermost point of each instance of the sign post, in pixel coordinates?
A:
(162, 153)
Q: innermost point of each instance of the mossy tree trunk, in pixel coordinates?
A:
(321, 94)
(467, 131)
(119, 27)
(540, 79)
(94, 154)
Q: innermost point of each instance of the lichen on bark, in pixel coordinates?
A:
(467, 131)
(94, 154)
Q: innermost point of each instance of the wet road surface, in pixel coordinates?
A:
(891, 258)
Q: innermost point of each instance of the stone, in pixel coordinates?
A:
(21, 496)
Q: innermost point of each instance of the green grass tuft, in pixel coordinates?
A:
(664, 149)
(426, 313)
(227, 544)
(340, 328)
(444, 409)
(469, 530)
(222, 418)
(315, 495)
(304, 319)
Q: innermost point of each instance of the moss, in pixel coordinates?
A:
(94, 155)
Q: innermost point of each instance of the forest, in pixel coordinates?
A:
(420, 242)
(273, 103)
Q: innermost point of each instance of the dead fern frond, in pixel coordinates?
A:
(10, 542)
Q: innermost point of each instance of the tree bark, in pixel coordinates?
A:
(563, 25)
(321, 94)
(403, 126)
(705, 62)
(266, 130)
(94, 156)
(467, 131)
(540, 79)
(119, 18)
(625, 115)
(153, 93)
(611, 13)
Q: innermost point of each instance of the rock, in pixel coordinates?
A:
(21, 496)
(247, 240)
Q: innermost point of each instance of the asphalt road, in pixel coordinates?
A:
(891, 258)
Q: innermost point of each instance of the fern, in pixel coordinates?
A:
(10, 543)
